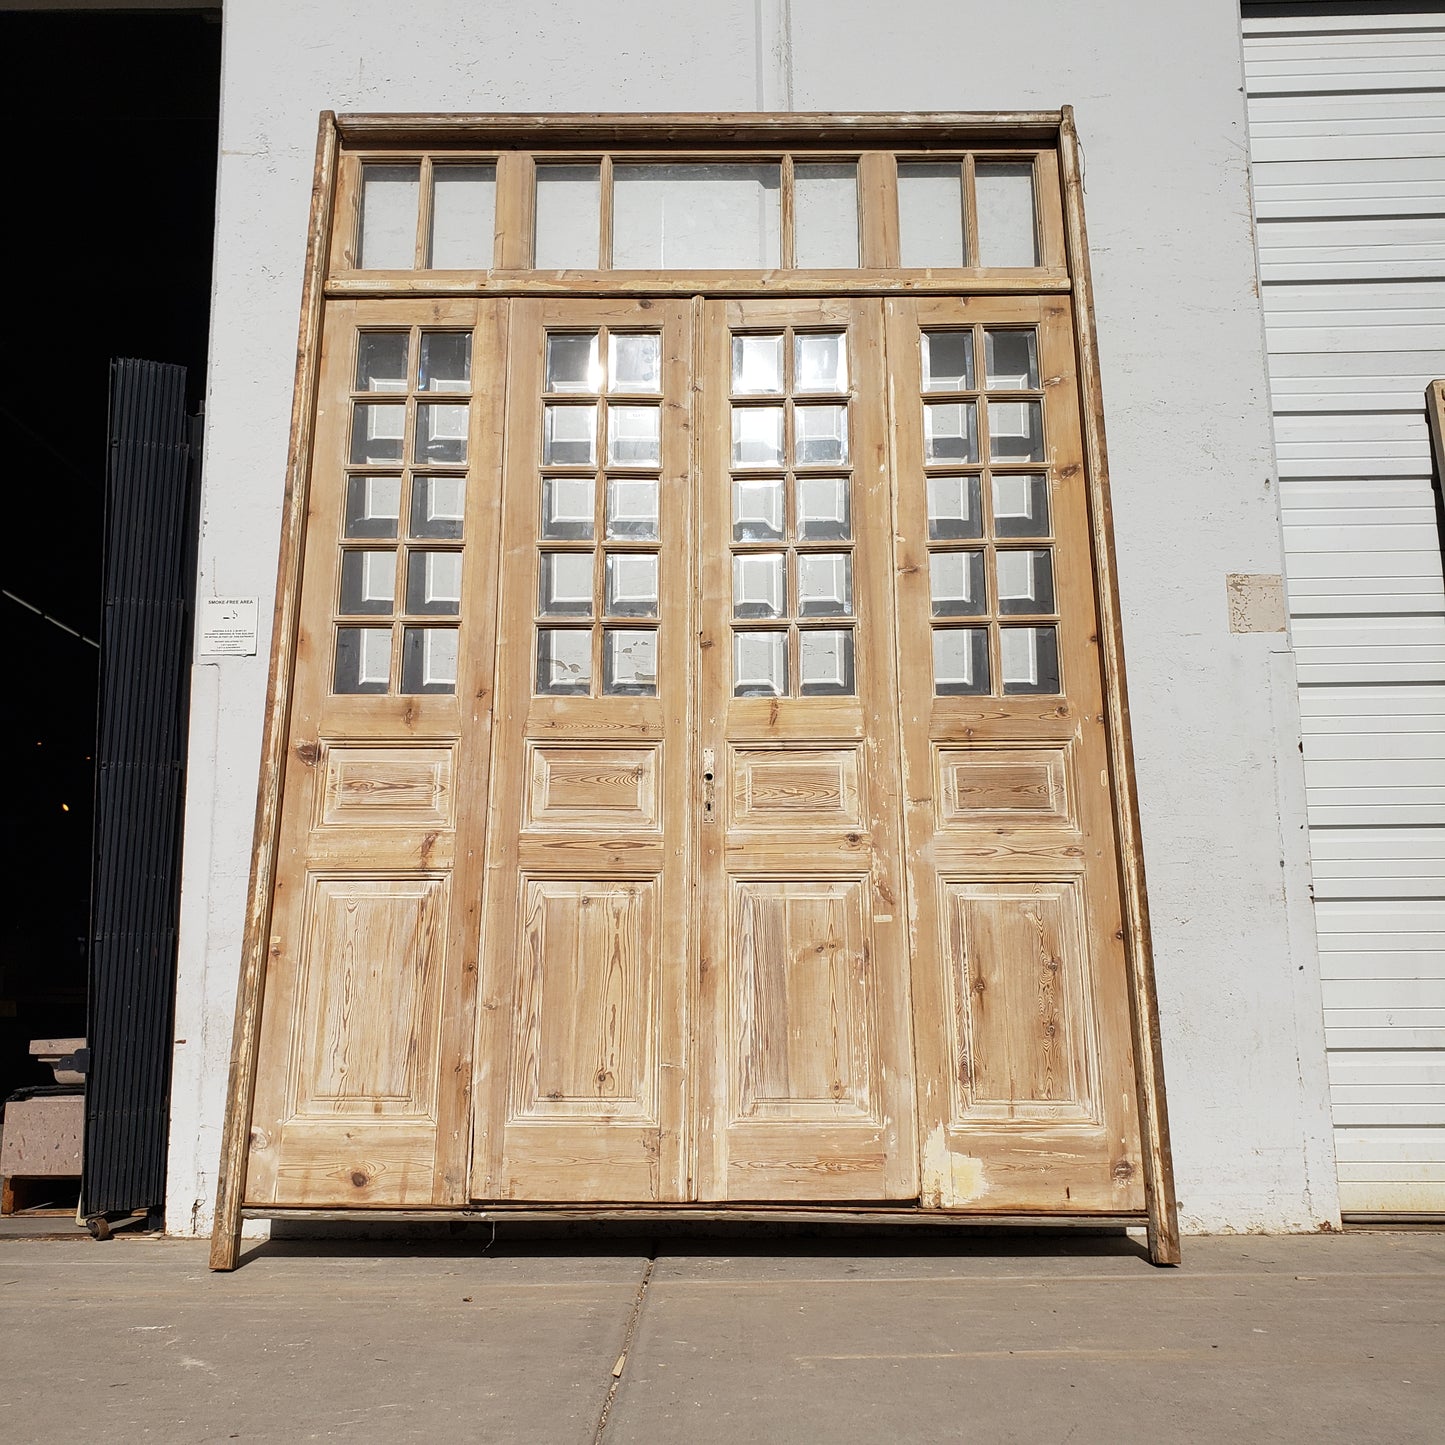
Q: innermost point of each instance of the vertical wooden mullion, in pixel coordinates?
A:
(421, 259)
(789, 256)
(1048, 212)
(878, 204)
(970, 214)
(604, 213)
(516, 178)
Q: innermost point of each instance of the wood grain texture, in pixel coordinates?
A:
(387, 787)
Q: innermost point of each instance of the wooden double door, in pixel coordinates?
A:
(697, 787)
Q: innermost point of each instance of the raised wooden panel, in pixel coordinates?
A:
(578, 786)
(366, 1040)
(977, 784)
(804, 1024)
(796, 787)
(586, 1007)
(387, 787)
(1021, 1026)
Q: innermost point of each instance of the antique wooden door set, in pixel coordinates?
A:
(697, 772)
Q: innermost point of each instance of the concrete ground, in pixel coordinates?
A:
(624, 1338)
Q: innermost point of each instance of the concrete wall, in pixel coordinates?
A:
(1158, 95)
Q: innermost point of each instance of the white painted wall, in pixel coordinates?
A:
(1158, 95)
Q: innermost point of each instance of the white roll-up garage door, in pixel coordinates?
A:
(1347, 134)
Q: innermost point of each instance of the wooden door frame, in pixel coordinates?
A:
(689, 133)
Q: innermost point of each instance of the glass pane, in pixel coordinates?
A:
(1015, 431)
(823, 509)
(820, 435)
(950, 432)
(441, 433)
(368, 581)
(954, 508)
(820, 362)
(446, 361)
(1011, 360)
(388, 218)
(629, 663)
(632, 508)
(564, 661)
(566, 584)
(434, 582)
(463, 217)
(1020, 505)
(436, 506)
(381, 361)
(634, 436)
(948, 361)
(373, 506)
(703, 217)
(377, 429)
(825, 664)
(757, 436)
(960, 660)
(1004, 195)
(825, 584)
(757, 365)
(825, 216)
(569, 436)
(1030, 659)
(1025, 581)
(568, 210)
(572, 362)
(634, 363)
(429, 659)
(758, 510)
(760, 664)
(567, 507)
(632, 584)
(759, 584)
(956, 584)
(363, 659)
(930, 213)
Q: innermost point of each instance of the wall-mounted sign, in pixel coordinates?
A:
(228, 627)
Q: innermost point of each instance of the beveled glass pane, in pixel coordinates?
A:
(825, 584)
(955, 582)
(950, 431)
(569, 436)
(954, 508)
(629, 662)
(1011, 359)
(632, 584)
(820, 435)
(437, 506)
(564, 661)
(567, 508)
(567, 224)
(823, 509)
(377, 429)
(757, 365)
(1020, 505)
(759, 584)
(463, 217)
(632, 508)
(381, 360)
(388, 218)
(930, 213)
(696, 216)
(825, 216)
(1025, 581)
(634, 363)
(434, 582)
(441, 432)
(758, 509)
(1015, 431)
(368, 581)
(825, 663)
(820, 362)
(760, 664)
(429, 659)
(1007, 230)
(757, 436)
(1030, 659)
(634, 436)
(373, 506)
(572, 363)
(446, 361)
(960, 661)
(363, 659)
(566, 584)
(948, 361)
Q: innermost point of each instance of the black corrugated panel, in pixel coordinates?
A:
(135, 888)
